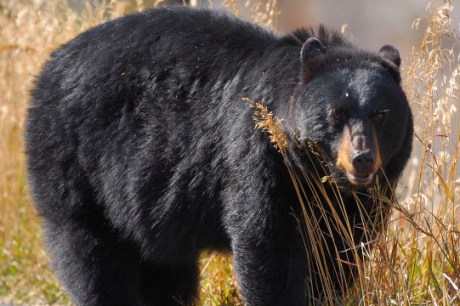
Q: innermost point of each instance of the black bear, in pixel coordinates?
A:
(142, 153)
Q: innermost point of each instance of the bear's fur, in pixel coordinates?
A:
(142, 153)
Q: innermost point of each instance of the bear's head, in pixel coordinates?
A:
(349, 102)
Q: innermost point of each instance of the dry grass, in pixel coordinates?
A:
(29, 30)
(416, 260)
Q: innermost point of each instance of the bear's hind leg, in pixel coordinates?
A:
(169, 285)
(95, 266)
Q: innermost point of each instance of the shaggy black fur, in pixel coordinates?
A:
(142, 153)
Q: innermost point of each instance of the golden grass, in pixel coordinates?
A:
(416, 260)
(270, 124)
(29, 30)
(321, 218)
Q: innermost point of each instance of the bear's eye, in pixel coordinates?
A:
(338, 114)
(378, 116)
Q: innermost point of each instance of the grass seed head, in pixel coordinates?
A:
(268, 123)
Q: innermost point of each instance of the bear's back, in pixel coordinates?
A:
(146, 96)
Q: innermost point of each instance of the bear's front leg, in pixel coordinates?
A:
(269, 256)
(270, 272)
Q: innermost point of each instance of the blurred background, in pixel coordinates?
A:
(370, 23)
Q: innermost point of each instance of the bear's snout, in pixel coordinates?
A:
(358, 155)
(363, 161)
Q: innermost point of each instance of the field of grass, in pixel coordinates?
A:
(416, 260)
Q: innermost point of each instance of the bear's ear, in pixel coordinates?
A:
(311, 58)
(311, 48)
(391, 54)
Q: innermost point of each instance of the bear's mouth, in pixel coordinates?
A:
(361, 180)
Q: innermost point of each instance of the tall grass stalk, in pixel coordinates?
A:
(416, 258)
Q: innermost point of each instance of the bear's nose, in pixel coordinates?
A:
(363, 161)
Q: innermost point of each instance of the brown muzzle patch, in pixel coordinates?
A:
(358, 154)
